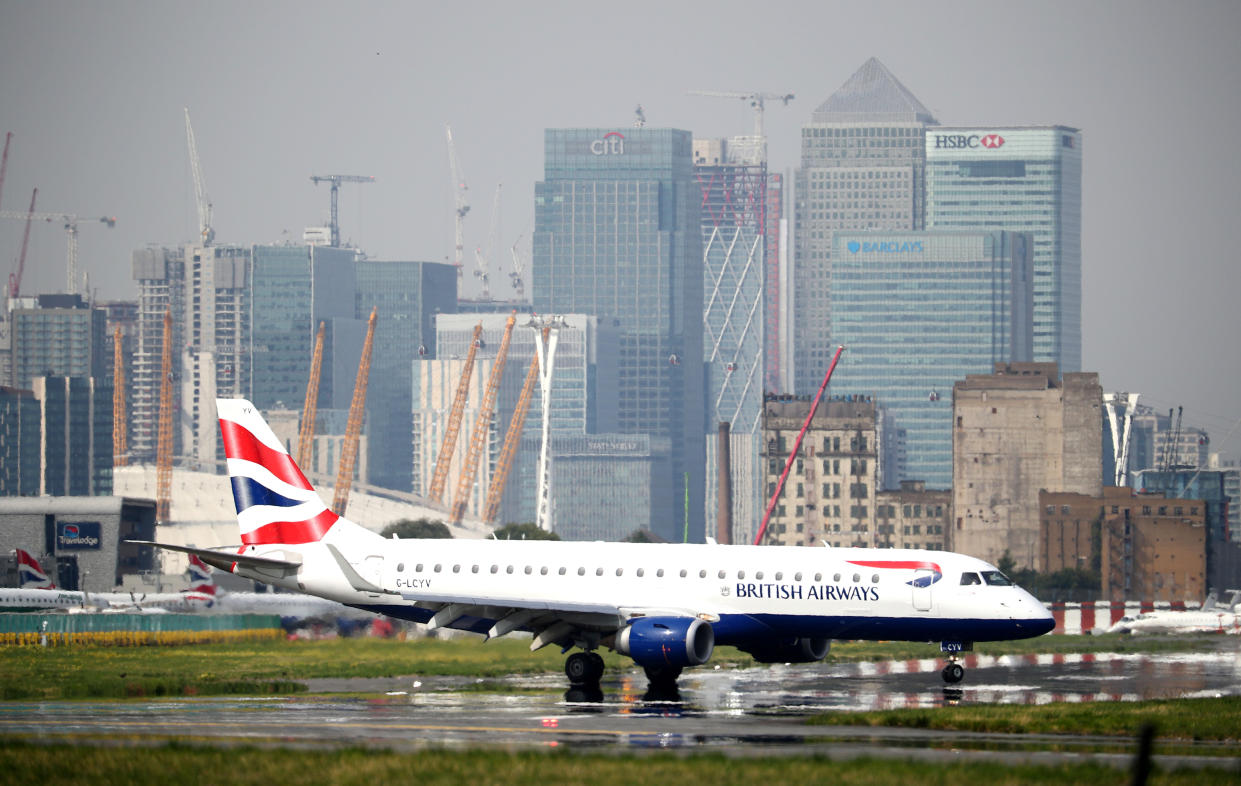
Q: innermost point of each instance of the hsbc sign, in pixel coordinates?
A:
(968, 141)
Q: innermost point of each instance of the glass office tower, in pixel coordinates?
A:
(617, 235)
(862, 168)
(918, 311)
(1022, 179)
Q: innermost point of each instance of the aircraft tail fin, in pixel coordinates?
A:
(275, 502)
(31, 573)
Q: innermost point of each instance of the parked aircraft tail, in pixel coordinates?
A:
(30, 573)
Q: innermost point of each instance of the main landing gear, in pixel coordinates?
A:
(584, 670)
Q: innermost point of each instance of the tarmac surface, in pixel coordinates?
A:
(757, 711)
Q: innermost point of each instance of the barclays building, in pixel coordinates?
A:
(918, 311)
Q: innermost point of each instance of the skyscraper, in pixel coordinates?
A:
(1022, 179)
(862, 169)
(918, 311)
(617, 235)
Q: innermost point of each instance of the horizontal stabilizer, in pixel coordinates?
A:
(225, 560)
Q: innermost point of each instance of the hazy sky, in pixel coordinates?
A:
(94, 91)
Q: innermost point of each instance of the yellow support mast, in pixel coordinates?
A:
(353, 429)
(469, 470)
(306, 433)
(449, 446)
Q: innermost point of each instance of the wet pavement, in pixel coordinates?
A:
(737, 711)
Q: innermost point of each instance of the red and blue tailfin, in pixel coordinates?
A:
(30, 572)
(275, 502)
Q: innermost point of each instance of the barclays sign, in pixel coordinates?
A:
(886, 246)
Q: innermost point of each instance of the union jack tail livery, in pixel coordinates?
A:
(202, 583)
(30, 573)
(275, 502)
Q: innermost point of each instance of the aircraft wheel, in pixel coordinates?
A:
(662, 676)
(581, 668)
(953, 673)
(596, 666)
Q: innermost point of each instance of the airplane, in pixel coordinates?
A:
(666, 606)
(39, 594)
(1211, 618)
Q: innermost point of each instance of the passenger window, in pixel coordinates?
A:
(758, 576)
(684, 573)
(474, 569)
(797, 576)
(598, 571)
(437, 568)
(970, 578)
(659, 573)
(529, 570)
(456, 568)
(495, 568)
(819, 577)
(779, 575)
(400, 567)
(418, 568)
(619, 571)
(561, 571)
(874, 579)
(641, 572)
(741, 574)
(509, 569)
(543, 571)
(702, 574)
(834, 578)
(581, 571)
(996, 579)
(857, 577)
(722, 574)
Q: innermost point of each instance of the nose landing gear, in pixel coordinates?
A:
(954, 672)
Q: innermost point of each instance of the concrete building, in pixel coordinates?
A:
(160, 275)
(1016, 432)
(863, 168)
(732, 177)
(21, 434)
(618, 236)
(1231, 468)
(56, 335)
(1022, 179)
(1223, 556)
(75, 416)
(605, 485)
(918, 311)
(80, 541)
(829, 496)
(913, 517)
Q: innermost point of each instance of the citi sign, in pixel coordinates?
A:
(612, 144)
(886, 247)
(962, 141)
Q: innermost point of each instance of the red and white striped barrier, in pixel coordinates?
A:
(1097, 617)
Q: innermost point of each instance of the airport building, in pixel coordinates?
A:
(863, 166)
(1017, 432)
(1020, 179)
(618, 236)
(913, 517)
(918, 311)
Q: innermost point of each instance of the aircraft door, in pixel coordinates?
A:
(371, 569)
(922, 584)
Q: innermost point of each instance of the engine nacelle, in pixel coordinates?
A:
(800, 650)
(667, 641)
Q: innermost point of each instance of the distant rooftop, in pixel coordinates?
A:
(872, 94)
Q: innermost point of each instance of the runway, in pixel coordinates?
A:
(757, 711)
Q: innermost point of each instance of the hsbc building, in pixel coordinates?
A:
(1021, 179)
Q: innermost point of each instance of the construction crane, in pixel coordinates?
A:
(163, 450)
(757, 102)
(306, 433)
(70, 223)
(483, 259)
(206, 232)
(460, 205)
(4, 163)
(469, 470)
(336, 180)
(511, 440)
(15, 278)
(1172, 447)
(353, 428)
(519, 269)
(120, 422)
(449, 446)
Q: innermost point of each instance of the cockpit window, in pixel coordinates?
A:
(996, 579)
(970, 578)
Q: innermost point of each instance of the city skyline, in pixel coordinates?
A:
(283, 91)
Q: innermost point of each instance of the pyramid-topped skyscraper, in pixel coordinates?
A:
(863, 167)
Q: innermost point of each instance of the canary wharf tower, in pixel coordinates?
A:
(617, 235)
(863, 168)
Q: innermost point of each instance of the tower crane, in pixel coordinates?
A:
(353, 428)
(70, 223)
(756, 99)
(484, 259)
(336, 180)
(15, 278)
(519, 268)
(4, 163)
(163, 449)
(495, 493)
(469, 470)
(306, 433)
(449, 446)
(206, 233)
(120, 422)
(460, 205)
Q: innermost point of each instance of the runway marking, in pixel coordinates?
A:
(233, 726)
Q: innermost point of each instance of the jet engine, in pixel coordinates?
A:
(799, 650)
(656, 642)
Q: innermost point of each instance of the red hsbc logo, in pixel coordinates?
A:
(992, 140)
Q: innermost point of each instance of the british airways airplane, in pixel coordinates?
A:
(665, 605)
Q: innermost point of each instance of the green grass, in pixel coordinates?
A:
(135, 766)
(1178, 719)
(273, 667)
